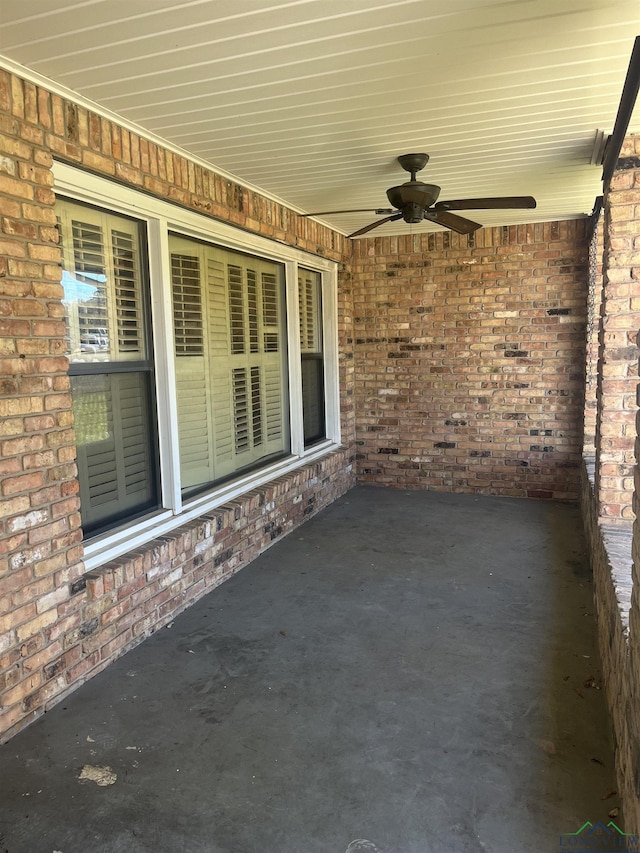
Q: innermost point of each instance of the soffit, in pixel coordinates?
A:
(311, 101)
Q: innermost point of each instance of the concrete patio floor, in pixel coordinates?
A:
(405, 674)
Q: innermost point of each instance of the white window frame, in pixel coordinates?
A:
(160, 218)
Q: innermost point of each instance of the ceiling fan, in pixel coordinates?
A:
(414, 201)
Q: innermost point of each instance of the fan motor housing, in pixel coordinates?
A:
(413, 198)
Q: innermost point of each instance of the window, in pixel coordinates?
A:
(203, 359)
(110, 365)
(310, 317)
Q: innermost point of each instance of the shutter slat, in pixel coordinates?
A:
(252, 310)
(273, 402)
(126, 272)
(236, 309)
(256, 407)
(187, 305)
(240, 410)
(90, 268)
(270, 312)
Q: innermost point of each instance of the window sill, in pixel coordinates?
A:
(110, 546)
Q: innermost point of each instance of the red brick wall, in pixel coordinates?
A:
(609, 548)
(625, 240)
(56, 628)
(618, 352)
(470, 359)
(610, 500)
(596, 250)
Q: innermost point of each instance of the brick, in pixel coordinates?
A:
(19, 229)
(49, 329)
(40, 697)
(52, 599)
(14, 506)
(13, 247)
(39, 422)
(42, 568)
(23, 689)
(37, 213)
(130, 174)
(23, 483)
(28, 520)
(34, 626)
(44, 253)
(15, 187)
(17, 617)
(32, 590)
(98, 162)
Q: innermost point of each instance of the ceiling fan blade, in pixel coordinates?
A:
(506, 203)
(450, 220)
(385, 210)
(373, 225)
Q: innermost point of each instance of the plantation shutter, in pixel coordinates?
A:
(127, 296)
(192, 379)
(310, 324)
(113, 444)
(247, 364)
(102, 283)
(231, 390)
(308, 311)
(220, 320)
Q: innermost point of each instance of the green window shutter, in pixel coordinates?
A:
(127, 296)
(224, 295)
(252, 311)
(256, 407)
(273, 404)
(310, 324)
(270, 312)
(254, 366)
(90, 336)
(112, 429)
(241, 410)
(308, 311)
(102, 280)
(231, 385)
(236, 309)
(187, 305)
(192, 376)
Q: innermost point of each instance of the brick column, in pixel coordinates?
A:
(618, 351)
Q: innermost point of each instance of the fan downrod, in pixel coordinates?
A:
(413, 163)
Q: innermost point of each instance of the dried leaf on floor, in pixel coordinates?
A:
(102, 776)
(609, 793)
(614, 812)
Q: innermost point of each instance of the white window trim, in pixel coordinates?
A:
(161, 217)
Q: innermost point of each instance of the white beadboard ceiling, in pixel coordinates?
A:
(310, 101)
